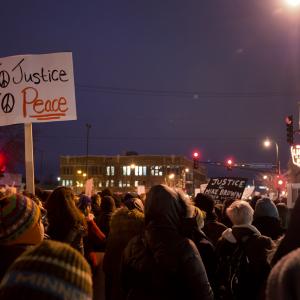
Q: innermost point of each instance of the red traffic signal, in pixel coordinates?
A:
(196, 160)
(196, 154)
(2, 163)
(229, 164)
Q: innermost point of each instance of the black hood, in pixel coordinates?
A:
(165, 207)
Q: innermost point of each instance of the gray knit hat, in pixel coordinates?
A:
(265, 208)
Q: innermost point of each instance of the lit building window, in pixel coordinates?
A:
(100, 184)
(64, 182)
(120, 183)
(107, 183)
(140, 171)
(110, 170)
(156, 171)
(126, 171)
(136, 183)
(112, 183)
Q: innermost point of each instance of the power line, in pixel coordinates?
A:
(183, 93)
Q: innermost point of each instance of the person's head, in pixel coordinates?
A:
(96, 201)
(199, 216)
(240, 213)
(20, 220)
(166, 207)
(205, 202)
(62, 211)
(265, 208)
(108, 204)
(253, 200)
(134, 203)
(106, 192)
(284, 215)
(85, 204)
(50, 271)
(283, 281)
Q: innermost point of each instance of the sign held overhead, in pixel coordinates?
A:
(37, 88)
(222, 188)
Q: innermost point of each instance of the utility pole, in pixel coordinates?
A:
(88, 127)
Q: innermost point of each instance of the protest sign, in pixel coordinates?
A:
(37, 88)
(222, 188)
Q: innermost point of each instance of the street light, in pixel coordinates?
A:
(267, 144)
(293, 3)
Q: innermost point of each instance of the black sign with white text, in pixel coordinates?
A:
(222, 188)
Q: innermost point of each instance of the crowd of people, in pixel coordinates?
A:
(164, 245)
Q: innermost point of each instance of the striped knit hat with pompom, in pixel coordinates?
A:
(17, 214)
(49, 271)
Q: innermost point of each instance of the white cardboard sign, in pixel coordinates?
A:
(37, 88)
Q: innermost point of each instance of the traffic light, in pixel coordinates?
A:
(196, 160)
(289, 129)
(229, 164)
(2, 164)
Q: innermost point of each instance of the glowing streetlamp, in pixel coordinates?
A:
(293, 3)
(171, 176)
(79, 172)
(267, 143)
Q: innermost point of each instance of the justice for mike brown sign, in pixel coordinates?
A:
(222, 188)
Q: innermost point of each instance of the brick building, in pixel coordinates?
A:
(126, 173)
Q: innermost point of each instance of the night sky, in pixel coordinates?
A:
(165, 76)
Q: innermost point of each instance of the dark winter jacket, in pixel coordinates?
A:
(8, 254)
(124, 225)
(204, 246)
(107, 208)
(268, 226)
(213, 230)
(291, 239)
(256, 247)
(162, 263)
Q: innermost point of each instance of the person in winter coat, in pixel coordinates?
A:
(162, 263)
(107, 207)
(126, 222)
(21, 227)
(95, 239)
(266, 218)
(248, 239)
(283, 281)
(212, 228)
(193, 231)
(66, 222)
(291, 239)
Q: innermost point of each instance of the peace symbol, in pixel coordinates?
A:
(8, 103)
(4, 79)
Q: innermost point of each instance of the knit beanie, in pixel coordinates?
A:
(265, 208)
(49, 271)
(18, 215)
(283, 281)
(134, 203)
(205, 202)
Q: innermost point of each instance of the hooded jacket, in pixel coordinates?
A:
(162, 263)
(291, 239)
(256, 247)
(124, 225)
